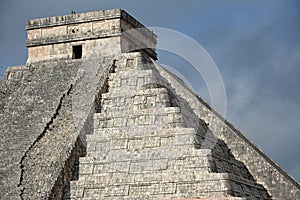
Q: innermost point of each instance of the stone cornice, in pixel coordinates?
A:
(73, 19)
(73, 37)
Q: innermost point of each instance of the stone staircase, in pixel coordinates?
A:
(146, 145)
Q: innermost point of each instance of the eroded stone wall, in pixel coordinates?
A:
(53, 38)
(38, 133)
(147, 143)
(31, 95)
(278, 183)
(103, 47)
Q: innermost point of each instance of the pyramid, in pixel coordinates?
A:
(92, 115)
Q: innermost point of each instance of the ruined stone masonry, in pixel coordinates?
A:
(91, 115)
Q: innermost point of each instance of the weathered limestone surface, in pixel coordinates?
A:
(38, 134)
(268, 173)
(116, 30)
(30, 97)
(148, 143)
(139, 131)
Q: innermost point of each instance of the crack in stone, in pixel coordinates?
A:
(46, 128)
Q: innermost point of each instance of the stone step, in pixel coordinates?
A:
(242, 186)
(200, 185)
(211, 196)
(192, 176)
(138, 72)
(135, 92)
(149, 121)
(109, 134)
(140, 96)
(134, 83)
(128, 105)
(127, 82)
(126, 67)
(137, 133)
(156, 98)
(164, 120)
(154, 145)
(202, 188)
(204, 196)
(111, 155)
(132, 78)
(143, 166)
(140, 143)
(147, 116)
(133, 113)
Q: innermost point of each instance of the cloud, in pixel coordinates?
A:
(262, 80)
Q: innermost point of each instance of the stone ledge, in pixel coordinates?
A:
(73, 18)
(73, 38)
(136, 113)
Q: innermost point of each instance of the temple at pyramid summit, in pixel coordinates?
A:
(92, 115)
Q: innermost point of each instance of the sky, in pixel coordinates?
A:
(255, 45)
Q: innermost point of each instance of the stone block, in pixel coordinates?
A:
(98, 168)
(86, 168)
(149, 165)
(153, 189)
(122, 167)
(118, 143)
(116, 190)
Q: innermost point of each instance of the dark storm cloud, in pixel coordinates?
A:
(255, 44)
(262, 78)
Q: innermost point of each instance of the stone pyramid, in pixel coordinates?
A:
(91, 117)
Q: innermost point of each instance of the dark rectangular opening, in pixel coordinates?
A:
(77, 52)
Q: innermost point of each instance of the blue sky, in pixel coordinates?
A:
(255, 44)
